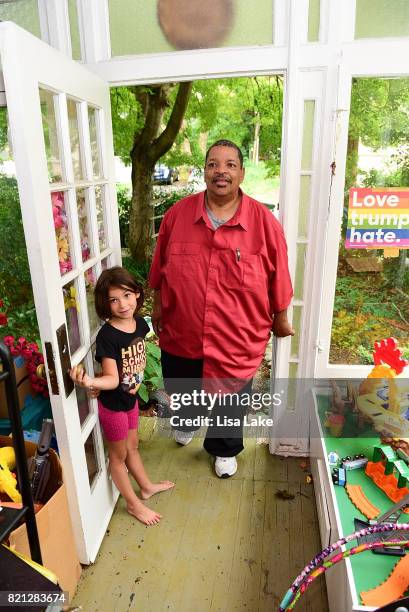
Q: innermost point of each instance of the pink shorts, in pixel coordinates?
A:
(116, 425)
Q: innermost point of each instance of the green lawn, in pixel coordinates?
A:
(259, 186)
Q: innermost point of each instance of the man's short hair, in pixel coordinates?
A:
(226, 143)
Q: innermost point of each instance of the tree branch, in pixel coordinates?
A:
(156, 102)
(163, 143)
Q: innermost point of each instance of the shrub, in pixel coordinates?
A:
(21, 322)
(152, 377)
(124, 197)
(15, 280)
(139, 270)
(163, 199)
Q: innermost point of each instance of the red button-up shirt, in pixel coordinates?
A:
(219, 288)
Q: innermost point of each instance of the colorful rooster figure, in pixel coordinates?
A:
(389, 363)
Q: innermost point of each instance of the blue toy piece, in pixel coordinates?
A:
(333, 458)
(339, 476)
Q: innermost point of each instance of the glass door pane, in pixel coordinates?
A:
(71, 305)
(90, 282)
(94, 127)
(84, 224)
(51, 137)
(92, 457)
(75, 141)
(62, 230)
(372, 289)
(100, 210)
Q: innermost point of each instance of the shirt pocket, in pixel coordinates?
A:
(242, 270)
(183, 260)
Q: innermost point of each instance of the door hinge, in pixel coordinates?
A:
(320, 348)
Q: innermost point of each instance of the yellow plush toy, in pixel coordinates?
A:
(8, 483)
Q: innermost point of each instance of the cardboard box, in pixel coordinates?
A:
(55, 533)
(24, 389)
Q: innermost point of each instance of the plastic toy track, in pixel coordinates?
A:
(360, 501)
(393, 588)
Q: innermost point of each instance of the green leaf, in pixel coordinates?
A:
(143, 392)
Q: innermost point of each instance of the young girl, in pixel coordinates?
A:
(120, 348)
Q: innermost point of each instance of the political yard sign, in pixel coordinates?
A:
(378, 218)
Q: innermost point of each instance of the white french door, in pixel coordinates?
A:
(379, 59)
(60, 128)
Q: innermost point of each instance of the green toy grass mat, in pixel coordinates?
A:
(369, 569)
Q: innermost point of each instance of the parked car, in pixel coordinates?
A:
(165, 175)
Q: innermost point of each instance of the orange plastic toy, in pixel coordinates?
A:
(392, 589)
(361, 502)
(387, 412)
(387, 482)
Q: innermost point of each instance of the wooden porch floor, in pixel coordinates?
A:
(222, 545)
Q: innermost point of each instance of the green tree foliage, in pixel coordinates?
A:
(378, 117)
(127, 120)
(15, 283)
(232, 108)
(369, 307)
(142, 135)
(15, 280)
(3, 130)
(176, 122)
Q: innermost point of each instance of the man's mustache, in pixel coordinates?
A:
(223, 177)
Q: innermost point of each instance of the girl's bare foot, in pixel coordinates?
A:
(156, 487)
(144, 515)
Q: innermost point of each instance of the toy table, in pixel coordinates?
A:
(336, 512)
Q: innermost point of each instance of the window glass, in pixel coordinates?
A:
(72, 310)
(381, 18)
(372, 289)
(168, 25)
(62, 227)
(314, 20)
(73, 124)
(51, 136)
(84, 224)
(22, 12)
(74, 29)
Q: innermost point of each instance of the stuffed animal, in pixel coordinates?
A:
(8, 483)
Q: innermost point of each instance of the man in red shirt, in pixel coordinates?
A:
(221, 281)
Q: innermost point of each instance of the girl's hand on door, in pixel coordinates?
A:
(81, 378)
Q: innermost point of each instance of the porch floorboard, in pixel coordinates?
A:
(222, 545)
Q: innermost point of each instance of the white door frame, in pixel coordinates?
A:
(28, 63)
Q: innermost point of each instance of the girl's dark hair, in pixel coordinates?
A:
(114, 277)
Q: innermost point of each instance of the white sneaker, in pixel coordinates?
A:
(225, 466)
(183, 437)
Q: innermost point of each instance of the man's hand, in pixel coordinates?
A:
(281, 326)
(157, 320)
(157, 313)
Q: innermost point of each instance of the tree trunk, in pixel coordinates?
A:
(256, 142)
(352, 162)
(401, 269)
(140, 219)
(149, 146)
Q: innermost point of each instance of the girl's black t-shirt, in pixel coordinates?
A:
(128, 350)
